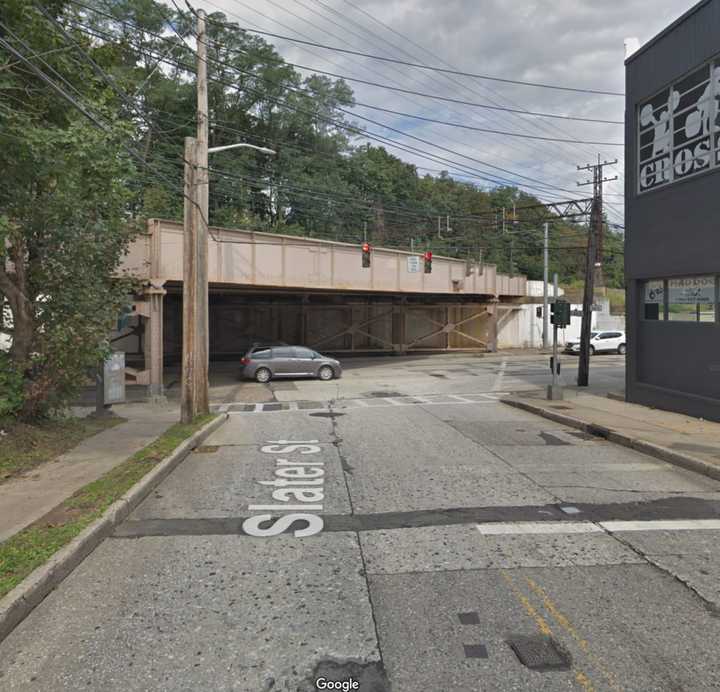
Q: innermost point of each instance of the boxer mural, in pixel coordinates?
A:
(679, 129)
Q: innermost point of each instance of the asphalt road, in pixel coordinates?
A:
(458, 537)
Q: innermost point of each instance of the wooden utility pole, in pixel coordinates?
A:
(591, 264)
(194, 396)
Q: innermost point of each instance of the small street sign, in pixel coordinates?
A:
(413, 264)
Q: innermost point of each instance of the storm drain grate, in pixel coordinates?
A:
(540, 653)
(326, 414)
(206, 449)
(383, 394)
(274, 407)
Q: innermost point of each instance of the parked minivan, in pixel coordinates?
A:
(263, 363)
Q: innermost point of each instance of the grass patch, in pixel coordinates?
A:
(25, 446)
(30, 548)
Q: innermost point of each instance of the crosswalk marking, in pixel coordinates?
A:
(537, 527)
(522, 528)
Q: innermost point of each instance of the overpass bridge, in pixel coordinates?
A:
(267, 286)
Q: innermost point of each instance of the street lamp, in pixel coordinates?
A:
(194, 395)
(263, 150)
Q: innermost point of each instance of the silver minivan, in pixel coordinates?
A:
(263, 363)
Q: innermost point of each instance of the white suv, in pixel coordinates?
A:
(601, 342)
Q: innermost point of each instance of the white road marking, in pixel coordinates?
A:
(501, 374)
(393, 402)
(462, 398)
(361, 402)
(661, 525)
(522, 528)
(535, 527)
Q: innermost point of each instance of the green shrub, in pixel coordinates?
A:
(11, 388)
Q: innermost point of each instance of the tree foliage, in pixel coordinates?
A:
(64, 197)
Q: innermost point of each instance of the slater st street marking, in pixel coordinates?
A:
(301, 481)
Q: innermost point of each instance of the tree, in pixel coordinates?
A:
(64, 226)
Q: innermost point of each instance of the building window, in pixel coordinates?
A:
(692, 299)
(679, 129)
(654, 300)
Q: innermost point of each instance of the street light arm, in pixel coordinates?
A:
(263, 150)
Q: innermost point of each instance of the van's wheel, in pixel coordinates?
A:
(263, 375)
(621, 349)
(592, 351)
(325, 373)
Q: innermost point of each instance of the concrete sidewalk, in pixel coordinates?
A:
(28, 498)
(689, 442)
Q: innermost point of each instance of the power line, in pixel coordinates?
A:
(443, 70)
(547, 187)
(482, 129)
(384, 140)
(436, 97)
(506, 142)
(548, 127)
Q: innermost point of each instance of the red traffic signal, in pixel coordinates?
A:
(366, 255)
(428, 261)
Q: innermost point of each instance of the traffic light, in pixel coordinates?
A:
(366, 255)
(428, 261)
(560, 313)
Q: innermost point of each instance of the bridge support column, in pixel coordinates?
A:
(493, 328)
(154, 340)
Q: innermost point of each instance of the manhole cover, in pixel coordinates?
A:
(540, 653)
(206, 449)
(326, 414)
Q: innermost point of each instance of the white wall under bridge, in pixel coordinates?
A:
(265, 286)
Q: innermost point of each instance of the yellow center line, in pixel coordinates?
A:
(580, 677)
(582, 643)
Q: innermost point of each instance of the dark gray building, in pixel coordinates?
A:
(672, 216)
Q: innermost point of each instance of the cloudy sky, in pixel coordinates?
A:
(571, 43)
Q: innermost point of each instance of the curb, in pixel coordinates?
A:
(685, 461)
(19, 603)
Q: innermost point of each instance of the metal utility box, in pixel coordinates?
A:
(114, 378)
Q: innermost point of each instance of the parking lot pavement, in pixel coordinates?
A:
(435, 543)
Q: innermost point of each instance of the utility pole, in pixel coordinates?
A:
(546, 260)
(194, 395)
(591, 263)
